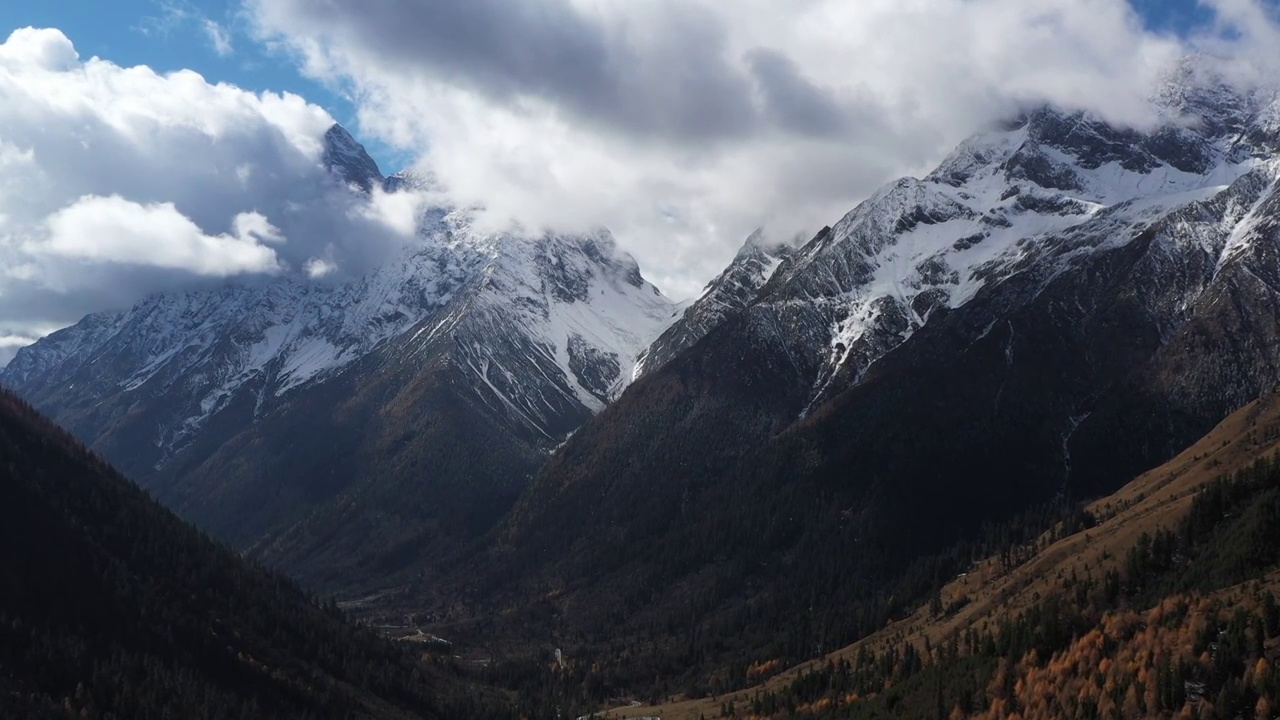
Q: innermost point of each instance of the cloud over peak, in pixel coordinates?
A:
(116, 182)
(684, 124)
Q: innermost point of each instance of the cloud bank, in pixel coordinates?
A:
(116, 182)
(684, 124)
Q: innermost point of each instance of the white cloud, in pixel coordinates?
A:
(174, 15)
(683, 125)
(318, 268)
(116, 182)
(11, 343)
(39, 49)
(680, 124)
(398, 212)
(218, 36)
(115, 230)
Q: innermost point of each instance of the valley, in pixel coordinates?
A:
(993, 428)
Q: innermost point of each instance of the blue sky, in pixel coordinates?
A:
(168, 35)
(175, 34)
(1172, 15)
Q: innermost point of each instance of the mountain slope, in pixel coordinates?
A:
(1060, 305)
(1163, 604)
(334, 426)
(728, 294)
(114, 608)
(997, 589)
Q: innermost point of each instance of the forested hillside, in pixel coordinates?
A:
(110, 607)
(1163, 604)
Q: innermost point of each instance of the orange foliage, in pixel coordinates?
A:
(1260, 671)
(764, 669)
(1118, 659)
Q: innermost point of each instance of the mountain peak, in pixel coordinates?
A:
(729, 293)
(412, 180)
(760, 242)
(347, 159)
(1210, 91)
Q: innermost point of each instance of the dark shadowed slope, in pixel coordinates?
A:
(1147, 579)
(1060, 305)
(112, 607)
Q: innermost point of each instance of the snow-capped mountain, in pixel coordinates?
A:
(1059, 306)
(1043, 192)
(531, 334)
(544, 326)
(730, 292)
(348, 161)
(1076, 298)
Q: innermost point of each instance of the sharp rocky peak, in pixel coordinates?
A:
(727, 294)
(761, 242)
(413, 180)
(1212, 93)
(347, 159)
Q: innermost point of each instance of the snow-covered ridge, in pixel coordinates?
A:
(550, 328)
(1035, 193)
(582, 314)
(728, 293)
(575, 302)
